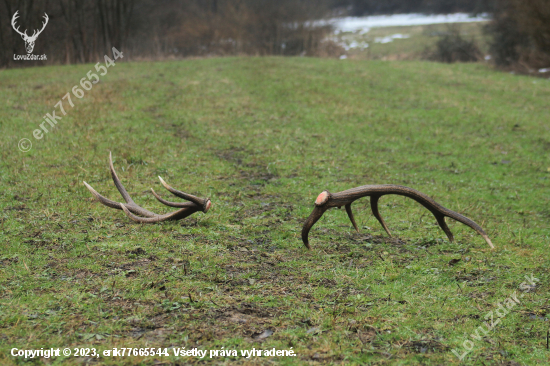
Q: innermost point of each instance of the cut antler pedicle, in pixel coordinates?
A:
(131, 209)
(328, 200)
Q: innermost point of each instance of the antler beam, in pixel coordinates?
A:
(327, 200)
(132, 209)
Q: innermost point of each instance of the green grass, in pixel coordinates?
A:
(262, 137)
(420, 39)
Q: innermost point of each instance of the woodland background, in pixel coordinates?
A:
(82, 31)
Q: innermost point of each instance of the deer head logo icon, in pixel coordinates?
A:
(29, 40)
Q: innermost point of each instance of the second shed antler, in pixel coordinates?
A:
(328, 200)
(132, 209)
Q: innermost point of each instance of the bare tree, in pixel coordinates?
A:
(114, 17)
(83, 31)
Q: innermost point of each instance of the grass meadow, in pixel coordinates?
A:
(420, 40)
(262, 137)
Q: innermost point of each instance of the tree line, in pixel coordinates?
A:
(367, 7)
(84, 30)
(520, 33)
(77, 31)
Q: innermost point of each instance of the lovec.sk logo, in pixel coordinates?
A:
(29, 40)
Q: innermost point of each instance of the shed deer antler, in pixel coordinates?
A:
(131, 208)
(328, 200)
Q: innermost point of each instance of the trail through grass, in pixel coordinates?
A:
(262, 137)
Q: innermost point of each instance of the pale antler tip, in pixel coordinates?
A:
(92, 191)
(126, 211)
(489, 242)
(164, 183)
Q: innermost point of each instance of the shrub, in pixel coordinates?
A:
(520, 33)
(452, 47)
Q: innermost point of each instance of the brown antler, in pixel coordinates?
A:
(328, 200)
(131, 208)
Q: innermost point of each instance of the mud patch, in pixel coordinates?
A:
(233, 155)
(425, 346)
(254, 171)
(378, 239)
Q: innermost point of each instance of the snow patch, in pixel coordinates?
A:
(364, 24)
(389, 39)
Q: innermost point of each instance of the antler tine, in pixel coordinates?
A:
(374, 208)
(107, 202)
(350, 215)
(178, 215)
(443, 225)
(174, 204)
(118, 183)
(116, 205)
(202, 202)
(311, 220)
(463, 219)
(327, 200)
(132, 209)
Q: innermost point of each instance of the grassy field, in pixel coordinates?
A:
(418, 40)
(262, 137)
